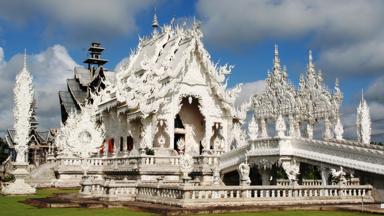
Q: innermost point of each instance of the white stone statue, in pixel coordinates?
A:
(363, 122)
(161, 141)
(253, 129)
(292, 169)
(339, 176)
(186, 166)
(244, 170)
(181, 145)
(339, 130)
(280, 126)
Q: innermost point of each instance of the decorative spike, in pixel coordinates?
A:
(310, 56)
(363, 121)
(276, 61)
(155, 23)
(311, 66)
(25, 58)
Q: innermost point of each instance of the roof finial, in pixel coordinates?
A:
(155, 23)
(310, 56)
(276, 60)
(25, 58)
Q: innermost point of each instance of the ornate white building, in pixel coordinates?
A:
(165, 130)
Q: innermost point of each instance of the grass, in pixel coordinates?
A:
(12, 206)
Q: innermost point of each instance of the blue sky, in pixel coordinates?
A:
(347, 39)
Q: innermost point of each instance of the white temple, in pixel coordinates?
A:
(165, 130)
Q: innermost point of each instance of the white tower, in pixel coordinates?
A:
(22, 113)
(363, 122)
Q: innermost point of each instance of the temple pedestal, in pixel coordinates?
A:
(19, 187)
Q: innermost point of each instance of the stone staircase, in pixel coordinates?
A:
(43, 176)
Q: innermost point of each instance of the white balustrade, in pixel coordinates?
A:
(210, 194)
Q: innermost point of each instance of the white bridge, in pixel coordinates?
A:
(330, 154)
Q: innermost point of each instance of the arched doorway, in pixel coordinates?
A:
(189, 126)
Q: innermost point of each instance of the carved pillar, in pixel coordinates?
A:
(339, 130)
(263, 128)
(125, 145)
(291, 131)
(324, 175)
(148, 127)
(206, 142)
(265, 176)
(115, 144)
(170, 129)
(297, 128)
(253, 129)
(280, 126)
(310, 130)
(327, 135)
(105, 148)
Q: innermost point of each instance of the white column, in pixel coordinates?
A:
(263, 128)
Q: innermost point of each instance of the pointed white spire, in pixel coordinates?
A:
(339, 130)
(363, 121)
(155, 23)
(253, 129)
(280, 126)
(22, 111)
(276, 60)
(311, 66)
(25, 59)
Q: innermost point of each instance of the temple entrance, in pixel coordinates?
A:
(189, 127)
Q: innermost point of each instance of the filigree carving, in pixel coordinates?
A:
(311, 102)
(244, 170)
(81, 136)
(363, 122)
(22, 112)
(339, 130)
(186, 165)
(253, 129)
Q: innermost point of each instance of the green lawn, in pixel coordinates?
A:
(11, 206)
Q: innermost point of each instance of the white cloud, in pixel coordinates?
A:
(50, 69)
(348, 34)
(248, 90)
(76, 20)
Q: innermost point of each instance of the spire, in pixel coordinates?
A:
(311, 66)
(276, 60)
(155, 23)
(363, 121)
(25, 59)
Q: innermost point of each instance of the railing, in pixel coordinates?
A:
(237, 195)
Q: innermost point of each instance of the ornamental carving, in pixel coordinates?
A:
(22, 111)
(310, 102)
(80, 136)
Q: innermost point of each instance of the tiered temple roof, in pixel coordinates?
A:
(85, 81)
(311, 101)
(159, 66)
